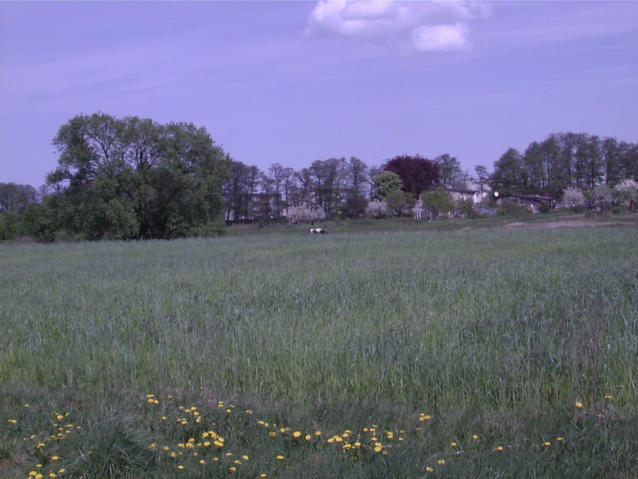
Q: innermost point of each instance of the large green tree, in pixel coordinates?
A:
(134, 178)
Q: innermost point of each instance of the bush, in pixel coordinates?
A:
(377, 209)
(573, 198)
(466, 209)
(437, 201)
(626, 192)
(513, 209)
(9, 225)
(303, 214)
(397, 201)
(39, 222)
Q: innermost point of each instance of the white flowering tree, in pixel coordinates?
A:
(573, 197)
(377, 209)
(600, 197)
(303, 214)
(626, 192)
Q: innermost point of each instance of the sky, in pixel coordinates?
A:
(294, 82)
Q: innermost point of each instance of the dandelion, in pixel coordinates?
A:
(180, 467)
(307, 437)
(429, 469)
(440, 462)
(453, 444)
(317, 433)
(59, 417)
(608, 397)
(202, 462)
(579, 404)
(547, 444)
(12, 421)
(232, 468)
(263, 476)
(52, 474)
(296, 434)
(280, 457)
(62, 471)
(378, 448)
(244, 457)
(560, 439)
(475, 437)
(499, 448)
(26, 405)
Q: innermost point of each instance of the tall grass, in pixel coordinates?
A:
(477, 327)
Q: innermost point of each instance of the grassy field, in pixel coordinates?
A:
(486, 353)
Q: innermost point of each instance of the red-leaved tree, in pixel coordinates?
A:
(417, 173)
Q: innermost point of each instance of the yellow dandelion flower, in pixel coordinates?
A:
(62, 471)
(173, 455)
(206, 443)
(389, 434)
(180, 467)
(228, 454)
(317, 433)
(12, 421)
(244, 457)
(307, 437)
(475, 437)
(263, 476)
(38, 476)
(560, 439)
(296, 434)
(32, 473)
(59, 417)
(330, 440)
(232, 468)
(52, 474)
(547, 444)
(215, 459)
(272, 434)
(38, 466)
(377, 448)
(237, 461)
(26, 405)
(280, 457)
(499, 448)
(578, 404)
(248, 411)
(202, 462)
(428, 469)
(453, 444)
(440, 462)
(608, 397)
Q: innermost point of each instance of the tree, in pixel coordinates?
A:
(386, 182)
(15, 198)
(132, 178)
(417, 174)
(507, 177)
(437, 201)
(450, 169)
(482, 175)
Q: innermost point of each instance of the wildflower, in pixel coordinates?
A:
(378, 448)
(237, 461)
(248, 411)
(559, 439)
(12, 421)
(228, 454)
(424, 417)
(307, 437)
(244, 457)
(440, 462)
(280, 457)
(59, 417)
(272, 434)
(608, 397)
(578, 404)
(499, 448)
(180, 467)
(232, 468)
(202, 462)
(165, 448)
(263, 476)
(547, 444)
(452, 444)
(475, 437)
(206, 443)
(389, 434)
(296, 434)
(428, 469)
(317, 433)
(62, 471)
(52, 474)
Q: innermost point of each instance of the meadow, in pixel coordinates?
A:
(487, 353)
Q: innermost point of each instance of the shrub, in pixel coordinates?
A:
(573, 198)
(626, 192)
(303, 214)
(511, 208)
(377, 209)
(466, 209)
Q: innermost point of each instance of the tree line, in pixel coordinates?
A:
(565, 160)
(135, 178)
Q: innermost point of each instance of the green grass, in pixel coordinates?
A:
(494, 333)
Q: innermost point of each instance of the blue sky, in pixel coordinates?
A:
(294, 82)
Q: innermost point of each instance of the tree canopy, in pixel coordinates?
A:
(417, 173)
(134, 178)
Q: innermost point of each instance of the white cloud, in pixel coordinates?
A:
(437, 25)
